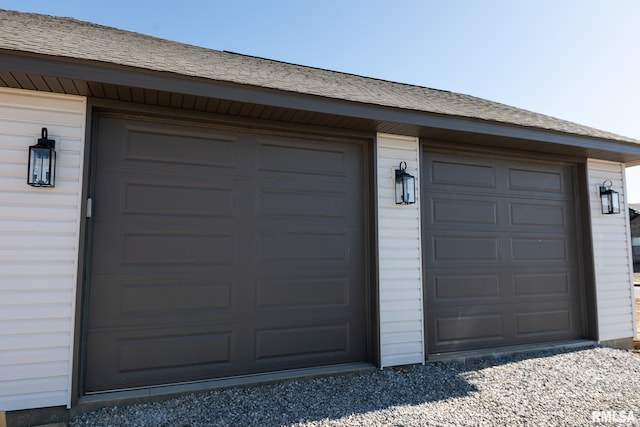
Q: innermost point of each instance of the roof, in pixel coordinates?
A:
(22, 33)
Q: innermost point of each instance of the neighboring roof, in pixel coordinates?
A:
(70, 38)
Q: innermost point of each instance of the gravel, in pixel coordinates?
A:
(553, 387)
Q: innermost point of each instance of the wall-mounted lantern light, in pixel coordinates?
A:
(405, 186)
(42, 162)
(609, 199)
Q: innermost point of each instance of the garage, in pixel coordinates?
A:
(218, 253)
(500, 252)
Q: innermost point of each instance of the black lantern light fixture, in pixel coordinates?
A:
(42, 162)
(405, 186)
(609, 199)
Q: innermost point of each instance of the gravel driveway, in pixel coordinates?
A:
(561, 387)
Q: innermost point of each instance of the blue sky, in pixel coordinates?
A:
(578, 60)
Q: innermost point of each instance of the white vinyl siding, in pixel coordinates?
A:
(39, 235)
(612, 255)
(400, 259)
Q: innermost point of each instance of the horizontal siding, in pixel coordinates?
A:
(612, 256)
(399, 262)
(39, 234)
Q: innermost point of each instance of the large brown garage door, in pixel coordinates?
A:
(222, 253)
(500, 253)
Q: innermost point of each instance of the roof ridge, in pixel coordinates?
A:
(97, 25)
(345, 73)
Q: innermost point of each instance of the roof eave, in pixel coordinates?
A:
(420, 121)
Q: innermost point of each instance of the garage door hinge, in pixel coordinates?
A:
(89, 208)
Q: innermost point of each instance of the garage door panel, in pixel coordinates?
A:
(540, 214)
(159, 352)
(508, 285)
(548, 320)
(468, 249)
(455, 287)
(172, 297)
(160, 248)
(540, 248)
(560, 284)
(278, 342)
(537, 181)
(303, 204)
(285, 342)
(501, 253)
(483, 326)
(470, 246)
(465, 211)
(487, 212)
(473, 328)
(309, 160)
(150, 145)
(303, 247)
(466, 174)
(304, 287)
(139, 250)
(139, 144)
(301, 293)
(543, 249)
(124, 301)
(544, 322)
(146, 197)
(135, 358)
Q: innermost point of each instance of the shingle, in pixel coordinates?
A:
(71, 38)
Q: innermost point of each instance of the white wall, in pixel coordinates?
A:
(400, 259)
(39, 234)
(612, 255)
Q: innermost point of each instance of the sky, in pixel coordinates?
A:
(577, 60)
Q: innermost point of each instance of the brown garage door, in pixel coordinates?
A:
(500, 253)
(222, 253)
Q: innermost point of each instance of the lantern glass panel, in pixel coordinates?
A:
(610, 201)
(398, 191)
(409, 187)
(41, 166)
(604, 200)
(615, 202)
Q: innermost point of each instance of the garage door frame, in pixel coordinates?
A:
(224, 123)
(584, 255)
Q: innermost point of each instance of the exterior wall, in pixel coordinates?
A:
(635, 227)
(39, 234)
(612, 255)
(400, 259)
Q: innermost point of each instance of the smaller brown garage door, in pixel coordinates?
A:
(500, 253)
(222, 253)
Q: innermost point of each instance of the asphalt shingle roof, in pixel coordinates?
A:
(71, 38)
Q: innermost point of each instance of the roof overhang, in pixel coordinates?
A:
(111, 81)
